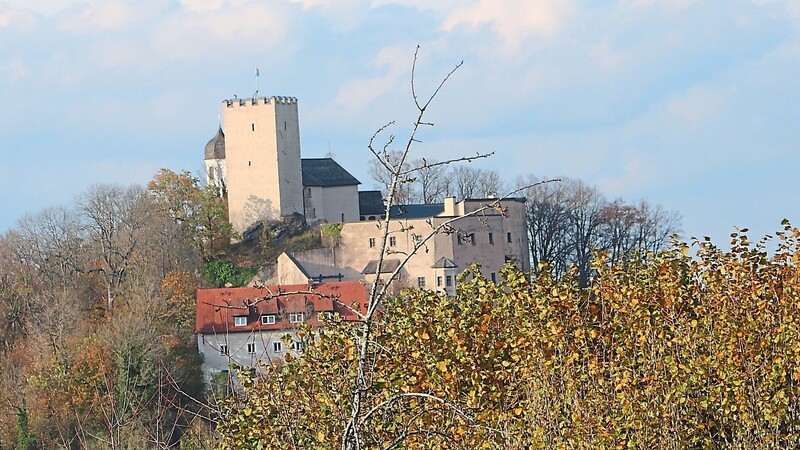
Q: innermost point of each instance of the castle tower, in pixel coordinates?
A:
(216, 175)
(262, 159)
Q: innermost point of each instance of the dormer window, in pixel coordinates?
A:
(267, 319)
(240, 321)
(296, 317)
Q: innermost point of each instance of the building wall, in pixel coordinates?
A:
(470, 244)
(262, 152)
(217, 174)
(215, 362)
(331, 204)
(480, 239)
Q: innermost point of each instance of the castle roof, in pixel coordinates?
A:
(325, 172)
(388, 266)
(215, 149)
(370, 203)
(416, 211)
(444, 263)
(217, 308)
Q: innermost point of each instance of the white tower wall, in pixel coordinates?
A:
(262, 153)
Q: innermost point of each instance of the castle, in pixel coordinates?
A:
(256, 161)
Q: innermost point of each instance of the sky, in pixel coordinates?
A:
(693, 105)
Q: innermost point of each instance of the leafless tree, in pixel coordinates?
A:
(403, 192)
(52, 242)
(116, 221)
(548, 224)
(568, 221)
(469, 182)
(586, 205)
(432, 182)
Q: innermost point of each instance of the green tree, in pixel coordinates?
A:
(200, 211)
(25, 441)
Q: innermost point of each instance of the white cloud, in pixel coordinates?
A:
(694, 108)
(514, 21)
(237, 28)
(360, 92)
(16, 18)
(440, 6)
(103, 16)
(346, 14)
(631, 179)
(673, 6)
(45, 7)
(202, 6)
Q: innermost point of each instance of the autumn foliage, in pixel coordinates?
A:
(669, 351)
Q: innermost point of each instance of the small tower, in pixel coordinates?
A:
(261, 145)
(216, 175)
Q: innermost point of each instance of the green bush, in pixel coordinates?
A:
(219, 273)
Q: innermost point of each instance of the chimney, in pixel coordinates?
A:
(449, 206)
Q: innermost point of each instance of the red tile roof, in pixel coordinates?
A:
(216, 308)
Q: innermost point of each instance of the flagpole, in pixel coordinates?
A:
(258, 75)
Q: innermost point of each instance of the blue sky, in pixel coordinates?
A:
(691, 104)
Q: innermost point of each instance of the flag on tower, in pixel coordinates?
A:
(258, 72)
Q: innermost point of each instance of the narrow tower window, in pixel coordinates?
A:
(253, 126)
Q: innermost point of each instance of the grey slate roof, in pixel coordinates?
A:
(416, 211)
(298, 265)
(444, 263)
(325, 172)
(388, 266)
(370, 203)
(215, 149)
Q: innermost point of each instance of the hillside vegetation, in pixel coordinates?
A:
(671, 351)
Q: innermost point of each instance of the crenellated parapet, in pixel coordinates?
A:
(256, 101)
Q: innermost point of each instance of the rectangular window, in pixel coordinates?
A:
(508, 237)
(472, 238)
(449, 281)
(491, 239)
(239, 321)
(392, 241)
(277, 347)
(494, 277)
(223, 349)
(297, 346)
(267, 319)
(296, 317)
(251, 347)
(324, 315)
(253, 127)
(421, 282)
(458, 238)
(371, 242)
(438, 281)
